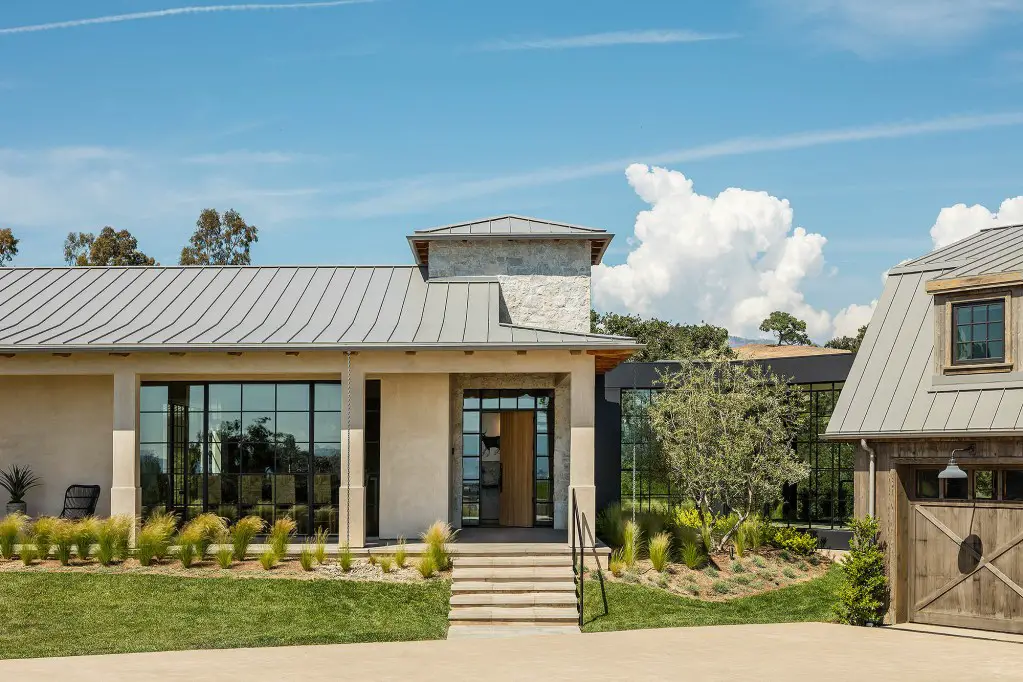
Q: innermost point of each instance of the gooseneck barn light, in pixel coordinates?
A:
(952, 471)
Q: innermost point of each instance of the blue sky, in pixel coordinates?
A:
(339, 129)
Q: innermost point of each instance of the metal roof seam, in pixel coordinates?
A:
(111, 319)
(24, 334)
(287, 319)
(358, 308)
(6, 316)
(178, 318)
(280, 294)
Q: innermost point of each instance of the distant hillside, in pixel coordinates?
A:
(736, 341)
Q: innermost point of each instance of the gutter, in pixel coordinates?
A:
(872, 469)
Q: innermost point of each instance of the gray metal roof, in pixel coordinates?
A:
(169, 308)
(892, 389)
(509, 227)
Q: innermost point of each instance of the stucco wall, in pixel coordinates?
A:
(414, 443)
(60, 426)
(544, 283)
(562, 433)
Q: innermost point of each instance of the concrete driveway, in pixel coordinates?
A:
(804, 651)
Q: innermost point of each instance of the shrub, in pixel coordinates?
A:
(784, 555)
(742, 579)
(721, 587)
(42, 534)
(693, 589)
(280, 536)
(436, 538)
(692, 554)
(426, 565)
(789, 573)
(795, 541)
(154, 538)
(243, 533)
(752, 534)
(803, 566)
(660, 551)
(225, 555)
(63, 536)
(616, 564)
(372, 558)
(113, 539)
(187, 541)
(320, 550)
(711, 572)
(344, 557)
(400, 553)
(611, 525)
(206, 529)
(632, 543)
(386, 563)
(28, 550)
(863, 595)
(307, 557)
(759, 562)
(662, 582)
(85, 537)
(11, 528)
(737, 567)
(268, 559)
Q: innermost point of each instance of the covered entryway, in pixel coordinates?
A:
(966, 564)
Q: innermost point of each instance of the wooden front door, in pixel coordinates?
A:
(516, 469)
(966, 565)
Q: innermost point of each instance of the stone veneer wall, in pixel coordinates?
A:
(562, 433)
(544, 282)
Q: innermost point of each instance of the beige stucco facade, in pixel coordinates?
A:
(74, 419)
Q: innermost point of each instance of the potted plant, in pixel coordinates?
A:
(17, 481)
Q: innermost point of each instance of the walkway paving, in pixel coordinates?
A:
(803, 651)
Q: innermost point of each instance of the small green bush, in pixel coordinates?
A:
(320, 548)
(803, 566)
(711, 572)
(662, 582)
(759, 562)
(400, 553)
(863, 596)
(11, 528)
(243, 533)
(616, 564)
(280, 536)
(742, 579)
(268, 559)
(225, 555)
(721, 587)
(386, 563)
(693, 589)
(154, 538)
(85, 537)
(187, 541)
(737, 567)
(307, 557)
(344, 557)
(632, 543)
(426, 565)
(789, 573)
(42, 533)
(62, 535)
(207, 529)
(784, 555)
(113, 539)
(692, 554)
(436, 539)
(792, 540)
(660, 551)
(28, 550)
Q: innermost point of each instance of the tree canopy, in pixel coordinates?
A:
(220, 240)
(109, 247)
(724, 433)
(789, 328)
(851, 343)
(664, 340)
(8, 246)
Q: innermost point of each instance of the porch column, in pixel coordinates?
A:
(125, 488)
(581, 465)
(352, 500)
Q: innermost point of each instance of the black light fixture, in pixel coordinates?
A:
(952, 471)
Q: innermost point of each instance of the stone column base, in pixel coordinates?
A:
(352, 529)
(586, 497)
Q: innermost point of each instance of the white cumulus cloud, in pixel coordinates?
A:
(848, 320)
(729, 260)
(960, 221)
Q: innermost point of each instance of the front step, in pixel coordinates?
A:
(514, 614)
(512, 561)
(471, 586)
(499, 574)
(514, 599)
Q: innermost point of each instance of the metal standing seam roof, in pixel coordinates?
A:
(509, 227)
(309, 307)
(891, 391)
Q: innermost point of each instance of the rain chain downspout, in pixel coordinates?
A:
(871, 476)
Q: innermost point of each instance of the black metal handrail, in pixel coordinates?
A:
(580, 524)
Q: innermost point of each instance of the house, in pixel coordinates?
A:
(370, 401)
(937, 378)
(822, 504)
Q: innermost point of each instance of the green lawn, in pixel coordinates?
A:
(635, 606)
(65, 614)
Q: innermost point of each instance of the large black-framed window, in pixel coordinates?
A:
(238, 448)
(640, 484)
(979, 332)
(476, 405)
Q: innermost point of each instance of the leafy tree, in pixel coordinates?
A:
(789, 328)
(850, 343)
(8, 246)
(724, 435)
(863, 597)
(109, 247)
(220, 240)
(664, 340)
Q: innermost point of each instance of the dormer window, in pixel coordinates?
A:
(979, 332)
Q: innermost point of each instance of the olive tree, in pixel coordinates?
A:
(724, 433)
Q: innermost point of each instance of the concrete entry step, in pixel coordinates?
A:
(512, 561)
(513, 599)
(513, 573)
(505, 614)
(463, 631)
(471, 586)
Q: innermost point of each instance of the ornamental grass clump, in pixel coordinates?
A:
(27, 549)
(320, 548)
(243, 533)
(122, 526)
(344, 557)
(692, 555)
(42, 534)
(113, 539)
(154, 540)
(85, 537)
(632, 543)
(268, 559)
(386, 563)
(426, 565)
(436, 539)
(225, 552)
(400, 553)
(11, 527)
(616, 564)
(188, 540)
(660, 551)
(307, 557)
(281, 534)
(62, 534)
(206, 529)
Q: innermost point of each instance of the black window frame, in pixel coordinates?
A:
(955, 343)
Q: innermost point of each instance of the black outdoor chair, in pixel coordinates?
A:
(80, 501)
